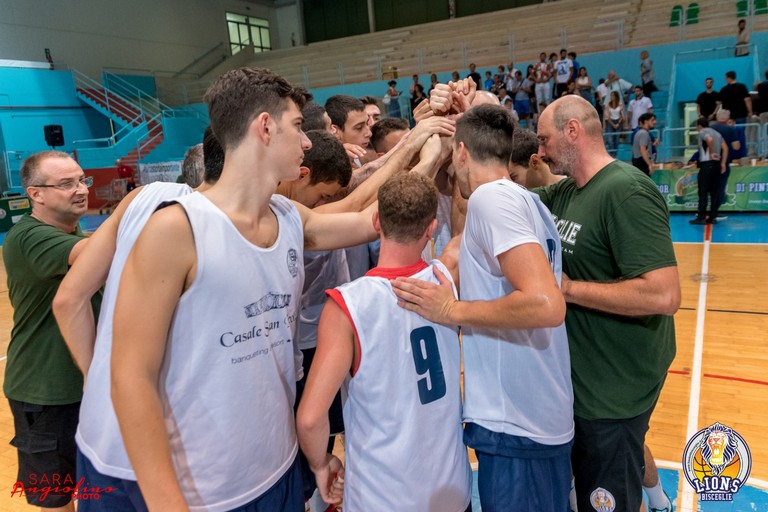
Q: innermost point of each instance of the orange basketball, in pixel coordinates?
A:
(700, 467)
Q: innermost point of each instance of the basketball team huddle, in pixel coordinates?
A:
(551, 305)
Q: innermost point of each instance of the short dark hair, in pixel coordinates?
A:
(524, 144)
(572, 53)
(710, 78)
(384, 127)
(213, 157)
(486, 131)
(314, 117)
(369, 100)
(339, 106)
(193, 168)
(731, 75)
(645, 117)
(327, 159)
(31, 165)
(703, 122)
(407, 204)
(239, 95)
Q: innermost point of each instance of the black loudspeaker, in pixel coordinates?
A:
(54, 135)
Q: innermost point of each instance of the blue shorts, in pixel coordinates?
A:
(522, 107)
(515, 473)
(125, 496)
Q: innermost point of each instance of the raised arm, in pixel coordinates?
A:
(156, 273)
(365, 194)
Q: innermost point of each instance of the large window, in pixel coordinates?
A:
(245, 30)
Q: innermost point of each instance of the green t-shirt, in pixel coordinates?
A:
(616, 227)
(39, 369)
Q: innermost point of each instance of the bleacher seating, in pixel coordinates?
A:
(585, 26)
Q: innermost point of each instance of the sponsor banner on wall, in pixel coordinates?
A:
(159, 171)
(747, 189)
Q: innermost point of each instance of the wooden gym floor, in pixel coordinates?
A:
(720, 372)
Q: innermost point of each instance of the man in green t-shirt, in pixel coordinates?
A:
(42, 382)
(621, 283)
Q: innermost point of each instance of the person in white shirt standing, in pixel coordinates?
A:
(638, 106)
(517, 382)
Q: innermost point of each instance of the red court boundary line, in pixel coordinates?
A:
(738, 379)
(722, 377)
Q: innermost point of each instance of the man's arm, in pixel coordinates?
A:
(723, 156)
(332, 362)
(325, 231)
(748, 103)
(536, 301)
(654, 293)
(156, 273)
(72, 304)
(646, 156)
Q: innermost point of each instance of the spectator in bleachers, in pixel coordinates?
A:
(707, 101)
(509, 76)
(372, 109)
(742, 40)
(418, 97)
(543, 74)
(735, 97)
(432, 82)
(613, 121)
(504, 99)
(618, 84)
(488, 81)
(637, 107)
(642, 144)
(563, 70)
(762, 99)
(601, 96)
(576, 66)
(412, 88)
(497, 82)
(646, 74)
(455, 76)
(521, 89)
(584, 85)
(474, 75)
(393, 107)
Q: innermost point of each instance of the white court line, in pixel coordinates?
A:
(686, 503)
(3, 358)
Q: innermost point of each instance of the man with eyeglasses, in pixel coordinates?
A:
(42, 382)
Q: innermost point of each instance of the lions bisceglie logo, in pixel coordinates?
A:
(717, 462)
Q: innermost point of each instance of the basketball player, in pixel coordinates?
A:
(518, 397)
(203, 385)
(403, 412)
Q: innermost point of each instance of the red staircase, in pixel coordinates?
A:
(113, 104)
(154, 137)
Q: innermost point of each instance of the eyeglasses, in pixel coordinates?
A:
(70, 186)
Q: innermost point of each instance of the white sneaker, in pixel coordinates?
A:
(721, 217)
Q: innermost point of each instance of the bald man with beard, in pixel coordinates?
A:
(621, 285)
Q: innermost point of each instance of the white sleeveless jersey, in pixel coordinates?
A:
(516, 381)
(98, 434)
(404, 448)
(227, 383)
